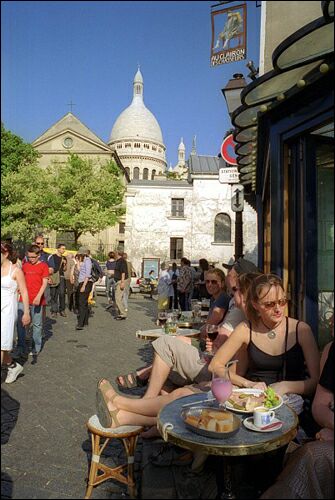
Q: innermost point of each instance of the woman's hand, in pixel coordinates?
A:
(279, 388)
(26, 319)
(82, 289)
(209, 345)
(258, 385)
(325, 434)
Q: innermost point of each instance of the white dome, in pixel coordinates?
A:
(136, 121)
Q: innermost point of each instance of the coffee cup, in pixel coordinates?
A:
(263, 416)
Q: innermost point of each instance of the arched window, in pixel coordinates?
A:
(153, 173)
(145, 173)
(127, 169)
(222, 229)
(136, 173)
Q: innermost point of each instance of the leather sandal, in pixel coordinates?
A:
(131, 380)
(106, 417)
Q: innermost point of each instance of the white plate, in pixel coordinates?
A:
(248, 423)
(251, 392)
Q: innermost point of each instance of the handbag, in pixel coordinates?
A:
(55, 279)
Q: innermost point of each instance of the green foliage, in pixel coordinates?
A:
(86, 197)
(17, 157)
(173, 175)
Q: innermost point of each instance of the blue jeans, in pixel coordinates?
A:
(36, 323)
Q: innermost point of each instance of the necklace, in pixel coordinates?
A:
(271, 333)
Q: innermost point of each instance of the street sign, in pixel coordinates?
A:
(228, 150)
(228, 175)
(237, 199)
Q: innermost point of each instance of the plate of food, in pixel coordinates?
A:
(246, 400)
(211, 422)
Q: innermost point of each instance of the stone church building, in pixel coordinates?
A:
(170, 213)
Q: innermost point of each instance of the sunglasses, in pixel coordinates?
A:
(39, 244)
(234, 289)
(212, 282)
(273, 303)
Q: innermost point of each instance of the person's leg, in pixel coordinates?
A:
(21, 330)
(149, 407)
(36, 320)
(126, 293)
(87, 292)
(159, 374)
(119, 300)
(54, 290)
(81, 307)
(61, 294)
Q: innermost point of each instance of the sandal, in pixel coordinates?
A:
(106, 416)
(131, 380)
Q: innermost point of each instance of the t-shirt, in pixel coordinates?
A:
(58, 261)
(34, 274)
(327, 376)
(110, 265)
(121, 267)
(222, 302)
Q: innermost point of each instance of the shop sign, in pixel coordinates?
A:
(229, 34)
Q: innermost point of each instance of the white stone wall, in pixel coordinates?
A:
(149, 225)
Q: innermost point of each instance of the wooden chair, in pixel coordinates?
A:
(122, 473)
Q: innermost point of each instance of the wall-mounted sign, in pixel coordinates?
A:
(229, 34)
(237, 198)
(150, 264)
(228, 150)
(229, 175)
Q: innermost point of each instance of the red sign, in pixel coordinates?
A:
(228, 150)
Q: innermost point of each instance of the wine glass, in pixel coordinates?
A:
(162, 317)
(222, 388)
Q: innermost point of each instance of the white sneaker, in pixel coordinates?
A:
(13, 373)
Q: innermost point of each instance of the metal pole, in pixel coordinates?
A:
(238, 235)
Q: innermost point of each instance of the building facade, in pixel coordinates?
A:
(167, 216)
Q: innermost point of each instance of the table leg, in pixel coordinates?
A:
(224, 481)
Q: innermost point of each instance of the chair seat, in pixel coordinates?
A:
(94, 424)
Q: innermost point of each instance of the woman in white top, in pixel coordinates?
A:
(12, 280)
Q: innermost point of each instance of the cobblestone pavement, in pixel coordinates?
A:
(45, 444)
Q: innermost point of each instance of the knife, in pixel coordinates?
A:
(270, 426)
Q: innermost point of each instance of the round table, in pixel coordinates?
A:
(245, 442)
(155, 333)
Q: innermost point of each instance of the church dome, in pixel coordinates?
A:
(136, 121)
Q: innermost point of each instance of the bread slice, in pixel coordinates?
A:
(216, 421)
(192, 420)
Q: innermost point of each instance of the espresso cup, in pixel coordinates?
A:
(263, 416)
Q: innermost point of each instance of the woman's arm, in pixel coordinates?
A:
(21, 282)
(311, 355)
(238, 339)
(322, 413)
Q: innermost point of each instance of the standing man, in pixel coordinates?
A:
(84, 288)
(57, 291)
(36, 274)
(47, 258)
(184, 284)
(130, 270)
(120, 277)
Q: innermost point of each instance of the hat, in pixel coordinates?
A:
(242, 266)
(83, 250)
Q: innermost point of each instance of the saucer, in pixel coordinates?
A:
(248, 423)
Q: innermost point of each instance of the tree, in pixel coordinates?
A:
(85, 196)
(16, 156)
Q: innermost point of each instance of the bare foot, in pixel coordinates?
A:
(150, 433)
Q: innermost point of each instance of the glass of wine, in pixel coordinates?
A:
(222, 388)
(162, 317)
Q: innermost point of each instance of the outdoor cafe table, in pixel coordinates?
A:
(244, 442)
(158, 332)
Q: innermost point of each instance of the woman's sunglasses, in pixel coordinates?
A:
(272, 304)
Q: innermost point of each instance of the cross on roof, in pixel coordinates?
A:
(71, 104)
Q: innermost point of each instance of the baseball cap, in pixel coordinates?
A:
(242, 266)
(83, 250)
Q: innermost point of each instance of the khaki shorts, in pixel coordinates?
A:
(184, 361)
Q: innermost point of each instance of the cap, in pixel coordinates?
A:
(83, 250)
(242, 266)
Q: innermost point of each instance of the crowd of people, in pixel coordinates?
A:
(247, 306)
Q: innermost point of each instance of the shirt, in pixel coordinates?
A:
(121, 267)
(327, 379)
(85, 269)
(34, 275)
(184, 280)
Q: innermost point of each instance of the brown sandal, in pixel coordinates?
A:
(106, 417)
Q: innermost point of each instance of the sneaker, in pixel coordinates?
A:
(63, 314)
(13, 373)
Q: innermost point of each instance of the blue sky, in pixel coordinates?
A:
(88, 52)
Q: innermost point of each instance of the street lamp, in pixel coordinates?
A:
(232, 94)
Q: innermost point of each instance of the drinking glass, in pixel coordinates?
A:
(162, 317)
(222, 388)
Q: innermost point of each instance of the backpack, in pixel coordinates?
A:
(96, 272)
